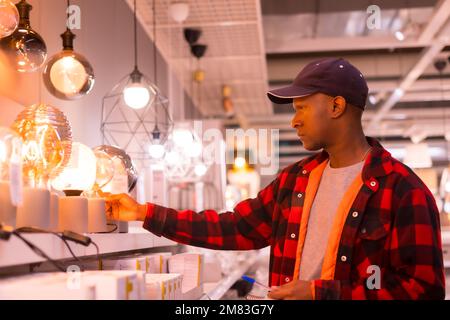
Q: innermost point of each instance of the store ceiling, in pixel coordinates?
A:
(232, 30)
(256, 45)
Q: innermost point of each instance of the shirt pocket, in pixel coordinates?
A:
(373, 228)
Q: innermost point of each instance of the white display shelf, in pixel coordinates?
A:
(216, 290)
(15, 252)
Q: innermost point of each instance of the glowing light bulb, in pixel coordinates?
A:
(183, 137)
(68, 75)
(3, 151)
(9, 18)
(195, 150)
(81, 171)
(156, 150)
(239, 162)
(25, 48)
(399, 35)
(172, 158)
(200, 169)
(105, 169)
(136, 96)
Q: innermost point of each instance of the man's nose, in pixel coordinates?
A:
(294, 122)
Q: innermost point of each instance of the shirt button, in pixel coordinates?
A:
(343, 258)
(355, 214)
(363, 230)
(299, 195)
(373, 183)
(292, 235)
(287, 279)
(304, 172)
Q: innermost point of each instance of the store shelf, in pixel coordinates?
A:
(216, 290)
(15, 252)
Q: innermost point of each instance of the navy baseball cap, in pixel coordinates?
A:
(331, 76)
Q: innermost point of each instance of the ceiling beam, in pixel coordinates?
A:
(437, 44)
(325, 44)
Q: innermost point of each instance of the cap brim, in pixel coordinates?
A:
(287, 94)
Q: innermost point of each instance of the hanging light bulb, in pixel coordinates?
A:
(9, 18)
(24, 48)
(200, 169)
(136, 94)
(156, 149)
(183, 137)
(239, 162)
(195, 149)
(68, 75)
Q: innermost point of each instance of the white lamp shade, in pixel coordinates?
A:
(80, 172)
(417, 156)
(179, 11)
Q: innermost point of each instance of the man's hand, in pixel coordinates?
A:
(122, 207)
(294, 290)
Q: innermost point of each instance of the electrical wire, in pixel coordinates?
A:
(38, 230)
(38, 251)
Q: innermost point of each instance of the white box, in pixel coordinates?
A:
(46, 286)
(163, 286)
(135, 263)
(191, 266)
(116, 285)
(157, 262)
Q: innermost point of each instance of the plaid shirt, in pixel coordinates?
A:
(393, 224)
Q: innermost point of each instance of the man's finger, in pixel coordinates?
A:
(278, 293)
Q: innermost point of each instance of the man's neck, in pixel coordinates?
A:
(346, 152)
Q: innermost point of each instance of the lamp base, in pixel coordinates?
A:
(73, 214)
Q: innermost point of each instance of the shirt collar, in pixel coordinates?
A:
(377, 164)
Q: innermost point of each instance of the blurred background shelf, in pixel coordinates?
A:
(15, 252)
(215, 290)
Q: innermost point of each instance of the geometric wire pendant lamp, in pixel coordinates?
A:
(135, 114)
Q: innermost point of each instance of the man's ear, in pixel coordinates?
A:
(339, 106)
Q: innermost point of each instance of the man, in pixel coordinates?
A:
(350, 222)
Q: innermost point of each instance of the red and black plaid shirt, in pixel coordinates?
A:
(393, 224)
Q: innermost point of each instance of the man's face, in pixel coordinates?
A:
(312, 121)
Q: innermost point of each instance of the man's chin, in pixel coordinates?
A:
(311, 147)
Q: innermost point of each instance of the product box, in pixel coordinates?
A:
(46, 286)
(163, 286)
(191, 266)
(135, 263)
(116, 284)
(157, 262)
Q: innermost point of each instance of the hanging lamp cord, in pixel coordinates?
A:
(135, 37)
(154, 44)
(68, 15)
